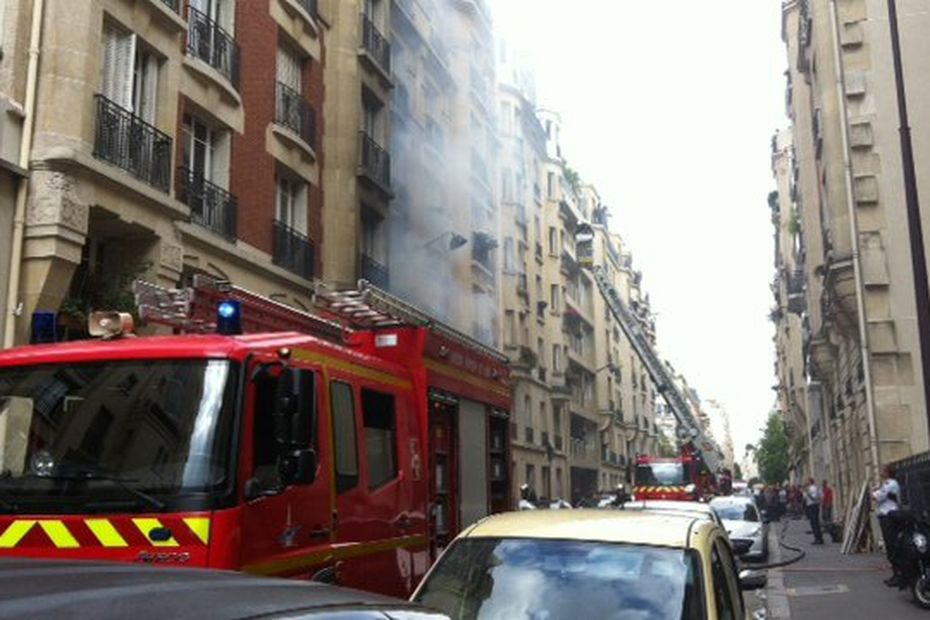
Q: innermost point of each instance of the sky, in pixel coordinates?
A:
(668, 107)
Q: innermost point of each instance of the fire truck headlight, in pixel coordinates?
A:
(690, 488)
(229, 318)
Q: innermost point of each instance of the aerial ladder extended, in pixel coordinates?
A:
(689, 430)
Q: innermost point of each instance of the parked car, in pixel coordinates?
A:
(602, 564)
(38, 589)
(744, 522)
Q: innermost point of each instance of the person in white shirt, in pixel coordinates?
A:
(812, 506)
(887, 498)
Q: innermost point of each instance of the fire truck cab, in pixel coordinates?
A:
(683, 478)
(332, 452)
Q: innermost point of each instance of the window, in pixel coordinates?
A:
(270, 392)
(543, 418)
(550, 185)
(345, 447)
(290, 69)
(509, 257)
(129, 72)
(206, 151)
(373, 236)
(531, 476)
(292, 202)
(553, 241)
(528, 409)
(380, 437)
(222, 12)
(510, 328)
(546, 482)
(554, 297)
(556, 358)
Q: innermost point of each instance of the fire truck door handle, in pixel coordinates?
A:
(320, 532)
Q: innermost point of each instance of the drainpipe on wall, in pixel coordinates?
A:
(25, 154)
(864, 352)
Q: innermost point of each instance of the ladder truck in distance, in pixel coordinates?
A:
(347, 445)
(693, 474)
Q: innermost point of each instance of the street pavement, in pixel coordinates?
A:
(828, 584)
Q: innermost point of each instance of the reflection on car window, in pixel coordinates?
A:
(660, 474)
(736, 512)
(491, 579)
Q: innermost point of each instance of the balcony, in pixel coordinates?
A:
(376, 45)
(523, 288)
(208, 41)
(558, 443)
(211, 206)
(529, 435)
(374, 161)
(294, 112)
(126, 141)
(174, 5)
(374, 272)
(292, 250)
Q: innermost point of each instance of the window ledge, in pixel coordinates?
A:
(167, 15)
(375, 66)
(290, 137)
(208, 73)
(295, 9)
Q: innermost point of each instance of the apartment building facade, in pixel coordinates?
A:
(859, 328)
(142, 162)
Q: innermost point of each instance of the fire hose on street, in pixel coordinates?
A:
(781, 543)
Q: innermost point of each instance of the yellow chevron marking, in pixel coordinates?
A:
(147, 525)
(58, 532)
(200, 526)
(106, 533)
(15, 533)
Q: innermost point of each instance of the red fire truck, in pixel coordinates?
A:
(684, 478)
(348, 445)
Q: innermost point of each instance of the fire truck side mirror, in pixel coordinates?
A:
(306, 463)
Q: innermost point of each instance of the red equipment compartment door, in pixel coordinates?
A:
(286, 528)
(380, 528)
(443, 493)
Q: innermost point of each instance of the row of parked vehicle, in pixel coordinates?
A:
(644, 559)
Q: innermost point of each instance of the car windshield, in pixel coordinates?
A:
(736, 512)
(105, 431)
(513, 579)
(664, 474)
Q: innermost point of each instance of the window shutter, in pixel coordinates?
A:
(289, 69)
(119, 52)
(149, 88)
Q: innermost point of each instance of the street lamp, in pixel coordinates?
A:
(455, 240)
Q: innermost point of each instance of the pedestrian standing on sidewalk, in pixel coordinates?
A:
(812, 506)
(826, 503)
(887, 496)
(782, 501)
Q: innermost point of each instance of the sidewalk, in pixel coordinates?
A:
(828, 584)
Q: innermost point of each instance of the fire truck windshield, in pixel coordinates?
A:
(113, 435)
(660, 474)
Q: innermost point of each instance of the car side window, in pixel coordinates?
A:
(301, 427)
(344, 437)
(380, 437)
(723, 597)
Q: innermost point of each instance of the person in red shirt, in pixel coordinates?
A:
(826, 504)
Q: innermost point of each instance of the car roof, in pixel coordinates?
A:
(667, 504)
(55, 589)
(732, 500)
(616, 526)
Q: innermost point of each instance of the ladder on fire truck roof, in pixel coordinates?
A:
(689, 428)
(368, 307)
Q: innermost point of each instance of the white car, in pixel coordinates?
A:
(743, 522)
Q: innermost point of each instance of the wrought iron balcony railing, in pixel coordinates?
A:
(211, 206)
(294, 112)
(311, 7)
(376, 44)
(375, 162)
(209, 42)
(375, 272)
(125, 140)
(292, 250)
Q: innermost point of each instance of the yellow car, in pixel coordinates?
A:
(588, 564)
